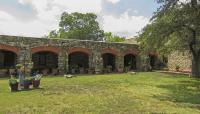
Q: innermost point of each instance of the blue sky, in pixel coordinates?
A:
(37, 17)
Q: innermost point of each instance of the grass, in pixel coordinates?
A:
(106, 94)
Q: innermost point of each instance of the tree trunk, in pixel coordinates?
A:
(196, 66)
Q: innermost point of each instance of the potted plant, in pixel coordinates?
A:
(120, 69)
(127, 68)
(18, 66)
(91, 70)
(81, 69)
(29, 67)
(74, 68)
(45, 71)
(98, 70)
(109, 69)
(27, 82)
(13, 84)
(36, 81)
(55, 71)
(3, 72)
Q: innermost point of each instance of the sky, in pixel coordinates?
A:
(37, 18)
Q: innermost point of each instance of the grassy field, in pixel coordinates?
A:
(106, 94)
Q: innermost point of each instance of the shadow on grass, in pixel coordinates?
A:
(24, 90)
(182, 92)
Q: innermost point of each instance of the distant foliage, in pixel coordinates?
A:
(78, 26)
(109, 37)
(175, 26)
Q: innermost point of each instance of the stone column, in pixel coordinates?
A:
(1, 59)
(97, 61)
(119, 62)
(138, 63)
(63, 62)
(91, 60)
(24, 56)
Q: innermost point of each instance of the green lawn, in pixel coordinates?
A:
(106, 94)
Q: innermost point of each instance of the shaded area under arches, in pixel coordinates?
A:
(109, 61)
(8, 59)
(152, 61)
(130, 62)
(78, 62)
(45, 60)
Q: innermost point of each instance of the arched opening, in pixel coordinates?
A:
(7, 59)
(109, 61)
(152, 61)
(130, 62)
(45, 62)
(78, 62)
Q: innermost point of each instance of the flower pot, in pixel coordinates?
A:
(45, 72)
(81, 70)
(27, 84)
(91, 71)
(14, 87)
(3, 72)
(73, 71)
(36, 83)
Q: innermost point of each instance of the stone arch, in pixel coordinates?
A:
(8, 56)
(133, 52)
(153, 59)
(78, 62)
(109, 61)
(45, 59)
(111, 51)
(130, 61)
(47, 49)
(79, 59)
(79, 49)
(9, 48)
(153, 54)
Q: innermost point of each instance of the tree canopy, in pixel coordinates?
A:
(78, 26)
(175, 26)
(109, 37)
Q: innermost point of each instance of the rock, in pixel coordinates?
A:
(68, 76)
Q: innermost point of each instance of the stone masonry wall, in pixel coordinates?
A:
(182, 59)
(24, 47)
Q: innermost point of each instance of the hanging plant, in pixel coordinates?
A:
(30, 65)
(19, 66)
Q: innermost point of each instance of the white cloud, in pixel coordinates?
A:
(49, 11)
(34, 28)
(114, 1)
(5, 16)
(125, 25)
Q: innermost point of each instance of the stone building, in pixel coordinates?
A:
(67, 55)
(181, 59)
(76, 56)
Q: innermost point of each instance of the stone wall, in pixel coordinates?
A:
(25, 47)
(181, 59)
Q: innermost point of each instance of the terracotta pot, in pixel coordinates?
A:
(14, 87)
(36, 83)
(45, 71)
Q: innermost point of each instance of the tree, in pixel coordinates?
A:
(78, 26)
(109, 37)
(175, 26)
(53, 34)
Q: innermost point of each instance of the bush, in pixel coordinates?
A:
(177, 67)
